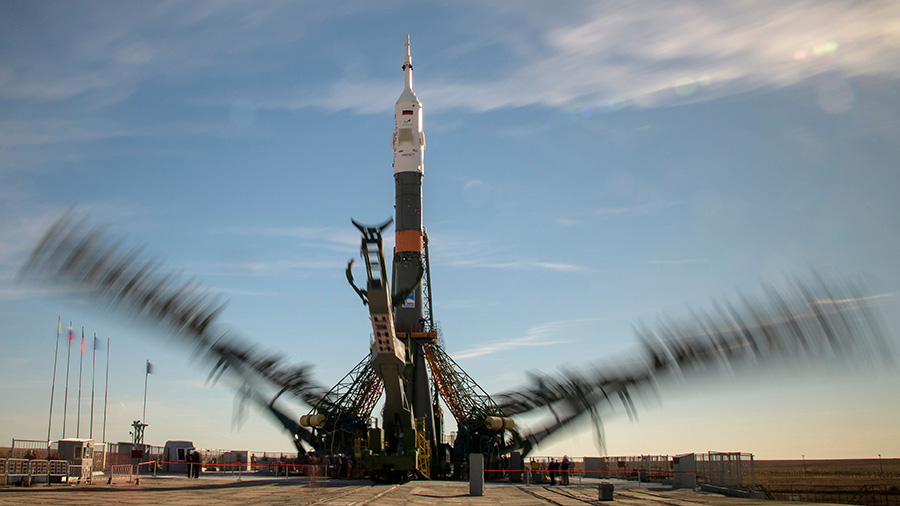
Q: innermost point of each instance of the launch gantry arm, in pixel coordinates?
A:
(810, 322)
(87, 258)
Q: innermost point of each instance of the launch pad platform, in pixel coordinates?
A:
(300, 491)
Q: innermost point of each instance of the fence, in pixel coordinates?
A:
(723, 469)
(119, 454)
(27, 471)
(642, 467)
(120, 472)
(226, 460)
(32, 449)
(726, 469)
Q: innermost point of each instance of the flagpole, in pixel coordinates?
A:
(80, 367)
(146, 375)
(53, 384)
(66, 401)
(106, 390)
(105, 399)
(93, 375)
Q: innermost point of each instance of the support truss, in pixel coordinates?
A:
(465, 398)
(355, 395)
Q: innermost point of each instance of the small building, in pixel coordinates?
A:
(684, 468)
(175, 456)
(236, 460)
(79, 453)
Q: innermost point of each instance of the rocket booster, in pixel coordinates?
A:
(408, 143)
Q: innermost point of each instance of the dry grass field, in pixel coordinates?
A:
(873, 482)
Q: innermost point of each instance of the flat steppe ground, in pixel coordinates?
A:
(838, 473)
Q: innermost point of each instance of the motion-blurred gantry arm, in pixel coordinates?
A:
(804, 323)
(88, 260)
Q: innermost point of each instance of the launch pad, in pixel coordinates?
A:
(228, 492)
(406, 363)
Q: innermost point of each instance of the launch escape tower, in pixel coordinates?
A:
(406, 362)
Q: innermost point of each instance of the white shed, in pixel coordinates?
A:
(175, 455)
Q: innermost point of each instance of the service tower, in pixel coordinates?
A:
(408, 143)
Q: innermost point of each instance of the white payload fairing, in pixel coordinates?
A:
(408, 140)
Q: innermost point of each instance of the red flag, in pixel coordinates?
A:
(82, 341)
(71, 334)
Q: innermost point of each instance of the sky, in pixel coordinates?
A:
(590, 166)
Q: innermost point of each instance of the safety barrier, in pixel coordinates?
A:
(26, 470)
(726, 469)
(82, 473)
(537, 476)
(52, 468)
(120, 472)
(276, 468)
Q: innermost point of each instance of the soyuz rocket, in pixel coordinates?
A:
(408, 143)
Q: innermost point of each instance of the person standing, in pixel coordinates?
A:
(564, 470)
(197, 460)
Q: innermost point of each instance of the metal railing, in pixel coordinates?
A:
(121, 472)
(25, 471)
(726, 469)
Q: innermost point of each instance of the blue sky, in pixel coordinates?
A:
(589, 166)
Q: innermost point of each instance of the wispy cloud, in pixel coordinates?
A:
(28, 292)
(856, 300)
(649, 208)
(338, 239)
(569, 220)
(273, 268)
(110, 51)
(678, 262)
(22, 227)
(546, 334)
(19, 232)
(520, 265)
(646, 55)
(247, 293)
(612, 54)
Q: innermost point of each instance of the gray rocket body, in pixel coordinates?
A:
(408, 143)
